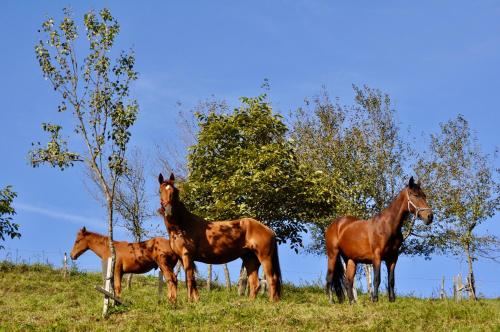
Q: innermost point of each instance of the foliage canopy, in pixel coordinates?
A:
(7, 226)
(243, 165)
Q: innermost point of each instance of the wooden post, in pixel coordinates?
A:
(65, 266)
(263, 283)
(107, 287)
(442, 293)
(104, 269)
(228, 277)
(129, 280)
(242, 281)
(460, 287)
(468, 286)
(368, 274)
(178, 269)
(455, 289)
(354, 290)
(160, 283)
(209, 277)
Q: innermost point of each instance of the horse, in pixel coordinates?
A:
(193, 238)
(372, 241)
(137, 257)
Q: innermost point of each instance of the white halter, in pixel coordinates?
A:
(417, 209)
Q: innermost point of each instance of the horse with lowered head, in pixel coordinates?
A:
(194, 239)
(137, 257)
(372, 241)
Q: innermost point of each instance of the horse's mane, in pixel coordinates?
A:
(95, 234)
(389, 206)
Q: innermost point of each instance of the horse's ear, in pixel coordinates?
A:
(411, 183)
(84, 230)
(160, 178)
(172, 177)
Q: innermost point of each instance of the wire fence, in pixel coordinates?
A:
(301, 277)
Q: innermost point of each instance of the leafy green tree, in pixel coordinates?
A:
(243, 165)
(464, 191)
(356, 153)
(95, 89)
(7, 226)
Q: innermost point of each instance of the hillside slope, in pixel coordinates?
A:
(37, 298)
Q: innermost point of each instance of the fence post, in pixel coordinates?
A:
(128, 279)
(442, 294)
(209, 277)
(160, 283)
(368, 274)
(354, 290)
(107, 285)
(456, 288)
(468, 286)
(65, 266)
(228, 277)
(460, 287)
(242, 281)
(263, 283)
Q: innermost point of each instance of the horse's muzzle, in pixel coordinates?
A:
(430, 217)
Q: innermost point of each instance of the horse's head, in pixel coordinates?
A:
(81, 244)
(169, 195)
(417, 202)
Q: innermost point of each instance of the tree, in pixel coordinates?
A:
(176, 160)
(131, 200)
(243, 165)
(465, 192)
(7, 226)
(356, 153)
(96, 90)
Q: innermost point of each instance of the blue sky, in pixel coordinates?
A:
(435, 59)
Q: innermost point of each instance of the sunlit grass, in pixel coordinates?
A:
(37, 297)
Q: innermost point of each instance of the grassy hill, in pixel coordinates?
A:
(36, 297)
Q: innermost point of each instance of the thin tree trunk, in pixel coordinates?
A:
(108, 301)
(209, 277)
(228, 277)
(472, 284)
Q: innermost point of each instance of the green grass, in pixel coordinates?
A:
(37, 297)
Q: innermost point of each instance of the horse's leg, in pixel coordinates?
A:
(252, 264)
(376, 277)
(272, 278)
(117, 278)
(332, 258)
(190, 279)
(391, 266)
(168, 271)
(350, 273)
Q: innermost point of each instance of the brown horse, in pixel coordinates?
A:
(372, 241)
(194, 239)
(137, 257)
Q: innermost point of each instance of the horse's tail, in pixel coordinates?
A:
(276, 269)
(334, 277)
